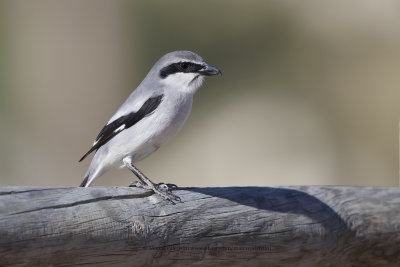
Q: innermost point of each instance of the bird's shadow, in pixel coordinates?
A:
(284, 200)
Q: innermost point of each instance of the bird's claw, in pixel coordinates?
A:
(165, 190)
(162, 189)
(168, 186)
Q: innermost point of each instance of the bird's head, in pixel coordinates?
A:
(183, 70)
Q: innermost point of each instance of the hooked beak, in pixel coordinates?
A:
(209, 70)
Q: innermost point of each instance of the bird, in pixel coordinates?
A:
(152, 114)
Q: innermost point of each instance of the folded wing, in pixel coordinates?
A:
(124, 122)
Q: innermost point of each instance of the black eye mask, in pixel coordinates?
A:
(184, 67)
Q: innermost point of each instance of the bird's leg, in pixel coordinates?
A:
(140, 184)
(162, 189)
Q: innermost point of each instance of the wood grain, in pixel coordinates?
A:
(256, 226)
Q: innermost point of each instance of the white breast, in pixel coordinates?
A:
(170, 117)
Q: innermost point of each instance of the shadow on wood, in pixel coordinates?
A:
(232, 225)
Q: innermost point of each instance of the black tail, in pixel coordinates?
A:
(85, 180)
(87, 154)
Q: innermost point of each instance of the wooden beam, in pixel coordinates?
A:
(299, 225)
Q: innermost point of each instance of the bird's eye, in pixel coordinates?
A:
(184, 65)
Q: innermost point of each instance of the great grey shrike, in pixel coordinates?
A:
(152, 115)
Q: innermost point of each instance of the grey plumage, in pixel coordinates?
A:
(150, 116)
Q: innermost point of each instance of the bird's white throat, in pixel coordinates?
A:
(184, 82)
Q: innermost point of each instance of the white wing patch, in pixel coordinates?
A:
(120, 128)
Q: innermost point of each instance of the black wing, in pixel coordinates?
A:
(124, 122)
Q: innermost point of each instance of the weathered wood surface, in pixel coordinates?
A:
(256, 226)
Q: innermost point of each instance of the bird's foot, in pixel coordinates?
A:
(140, 184)
(165, 190)
(170, 187)
(162, 189)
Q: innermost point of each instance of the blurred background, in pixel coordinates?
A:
(310, 93)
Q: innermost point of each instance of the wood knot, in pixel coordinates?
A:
(137, 227)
